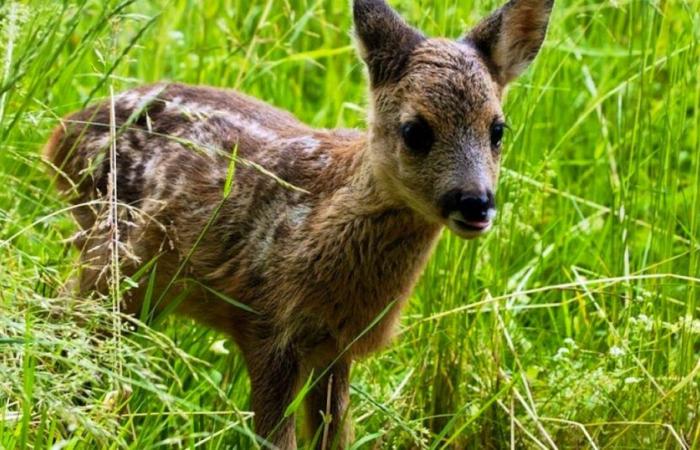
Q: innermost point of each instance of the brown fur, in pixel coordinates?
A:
(320, 261)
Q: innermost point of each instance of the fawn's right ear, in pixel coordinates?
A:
(385, 41)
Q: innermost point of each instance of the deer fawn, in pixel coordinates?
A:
(320, 234)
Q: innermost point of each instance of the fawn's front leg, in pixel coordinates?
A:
(330, 398)
(274, 379)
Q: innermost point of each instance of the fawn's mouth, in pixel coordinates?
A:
(469, 230)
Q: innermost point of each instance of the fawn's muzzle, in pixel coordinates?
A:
(469, 212)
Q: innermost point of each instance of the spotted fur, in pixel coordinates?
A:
(324, 232)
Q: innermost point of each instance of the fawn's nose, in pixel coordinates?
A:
(475, 207)
(472, 210)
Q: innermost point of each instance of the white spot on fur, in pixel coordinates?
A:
(175, 101)
(178, 187)
(308, 147)
(137, 100)
(256, 130)
(128, 99)
(323, 160)
(101, 142)
(200, 111)
(266, 245)
(298, 214)
(149, 170)
(307, 144)
(198, 133)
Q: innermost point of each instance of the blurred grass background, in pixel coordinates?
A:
(574, 324)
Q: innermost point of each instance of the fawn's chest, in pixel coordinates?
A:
(354, 282)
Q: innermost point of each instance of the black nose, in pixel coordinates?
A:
(473, 206)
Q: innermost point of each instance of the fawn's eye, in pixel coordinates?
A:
(417, 135)
(497, 129)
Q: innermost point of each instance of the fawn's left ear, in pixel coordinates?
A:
(512, 36)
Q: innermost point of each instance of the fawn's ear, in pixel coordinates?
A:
(512, 35)
(385, 41)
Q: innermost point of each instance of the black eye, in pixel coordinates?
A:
(497, 130)
(417, 135)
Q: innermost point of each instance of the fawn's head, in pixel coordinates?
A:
(436, 119)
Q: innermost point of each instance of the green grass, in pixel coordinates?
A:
(574, 324)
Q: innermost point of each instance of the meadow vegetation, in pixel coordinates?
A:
(574, 324)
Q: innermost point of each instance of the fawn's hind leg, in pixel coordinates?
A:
(97, 269)
(108, 251)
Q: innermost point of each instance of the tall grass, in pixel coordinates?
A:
(574, 324)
